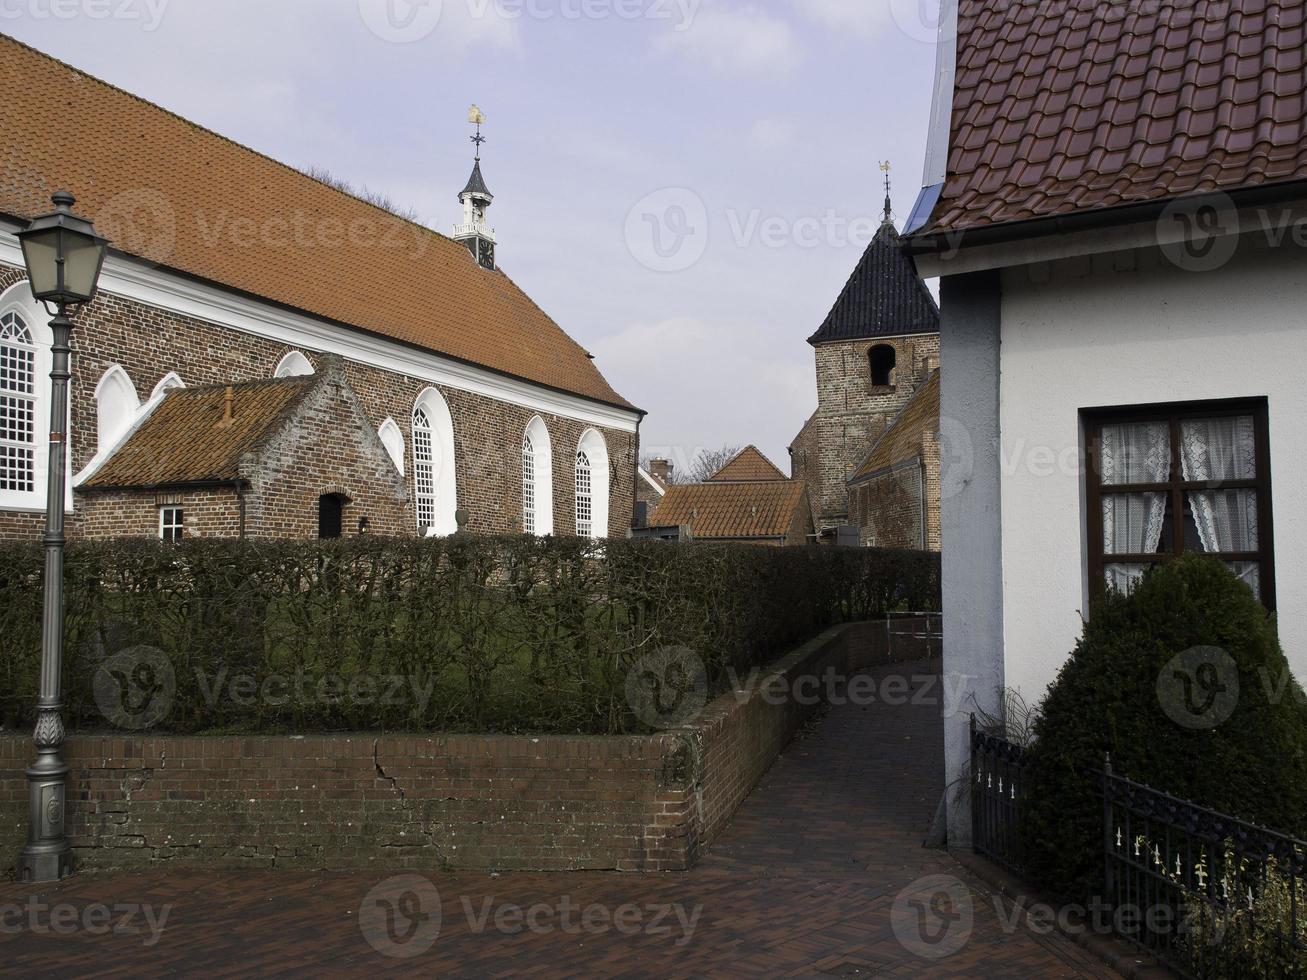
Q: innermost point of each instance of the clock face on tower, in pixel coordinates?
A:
(487, 254)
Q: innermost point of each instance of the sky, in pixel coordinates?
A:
(683, 185)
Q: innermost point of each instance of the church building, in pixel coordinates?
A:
(876, 353)
(271, 357)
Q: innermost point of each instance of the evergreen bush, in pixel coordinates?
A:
(1242, 751)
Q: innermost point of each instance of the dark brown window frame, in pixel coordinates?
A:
(1174, 413)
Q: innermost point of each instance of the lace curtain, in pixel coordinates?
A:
(1223, 449)
(1132, 523)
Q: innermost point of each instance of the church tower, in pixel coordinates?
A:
(478, 236)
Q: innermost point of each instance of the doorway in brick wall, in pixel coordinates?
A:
(331, 515)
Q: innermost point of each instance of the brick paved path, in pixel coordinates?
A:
(804, 883)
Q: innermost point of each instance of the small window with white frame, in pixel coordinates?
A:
(172, 525)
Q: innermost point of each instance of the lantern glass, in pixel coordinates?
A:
(83, 256)
(41, 256)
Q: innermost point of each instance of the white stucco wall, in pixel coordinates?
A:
(1125, 330)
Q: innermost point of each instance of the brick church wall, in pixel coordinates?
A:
(148, 343)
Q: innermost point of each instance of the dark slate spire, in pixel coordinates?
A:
(476, 184)
(883, 298)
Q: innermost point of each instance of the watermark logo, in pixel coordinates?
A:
(400, 918)
(922, 21)
(401, 21)
(668, 687)
(148, 13)
(134, 688)
(667, 231)
(95, 919)
(1199, 688)
(933, 917)
(1199, 234)
(141, 222)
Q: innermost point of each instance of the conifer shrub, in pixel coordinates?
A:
(1184, 683)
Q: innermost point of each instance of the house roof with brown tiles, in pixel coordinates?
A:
(901, 442)
(884, 296)
(185, 440)
(1079, 106)
(182, 197)
(749, 464)
(736, 511)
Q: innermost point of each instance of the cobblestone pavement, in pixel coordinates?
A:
(821, 874)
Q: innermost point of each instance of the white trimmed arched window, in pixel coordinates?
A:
(293, 365)
(592, 486)
(116, 406)
(20, 407)
(25, 401)
(435, 486)
(537, 480)
(393, 441)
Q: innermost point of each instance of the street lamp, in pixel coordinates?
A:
(63, 255)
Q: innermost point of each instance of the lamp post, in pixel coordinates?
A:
(63, 255)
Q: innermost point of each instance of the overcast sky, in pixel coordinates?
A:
(684, 185)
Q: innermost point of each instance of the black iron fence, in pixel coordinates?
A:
(1216, 897)
(1213, 897)
(997, 787)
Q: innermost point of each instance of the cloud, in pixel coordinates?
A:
(737, 41)
(863, 17)
(773, 133)
(713, 384)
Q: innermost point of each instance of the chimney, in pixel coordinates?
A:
(661, 470)
(228, 413)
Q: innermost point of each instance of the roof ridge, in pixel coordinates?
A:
(214, 133)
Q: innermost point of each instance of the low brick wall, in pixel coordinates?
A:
(457, 802)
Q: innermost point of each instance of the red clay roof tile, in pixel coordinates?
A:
(1063, 107)
(229, 215)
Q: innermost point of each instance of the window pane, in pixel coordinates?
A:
(1218, 449)
(1136, 452)
(1124, 577)
(1226, 520)
(1133, 523)
(1250, 573)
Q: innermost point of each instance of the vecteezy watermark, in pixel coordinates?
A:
(140, 221)
(670, 229)
(149, 13)
(134, 689)
(277, 690)
(1199, 688)
(95, 919)
(401, 917)
(407, 21)
(668, 687)
(837, 689)
(933, 917)
(1200, 233)
(667, 231)
(401, 21)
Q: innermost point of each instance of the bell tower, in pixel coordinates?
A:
(474, 233)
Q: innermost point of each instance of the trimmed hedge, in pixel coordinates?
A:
(1107, 698)
(499, 634)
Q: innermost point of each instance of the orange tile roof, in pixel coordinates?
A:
(732, 510)
(901, 442)
(184, 441)
(749, 464)
(1078, 106)
(185, 198)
